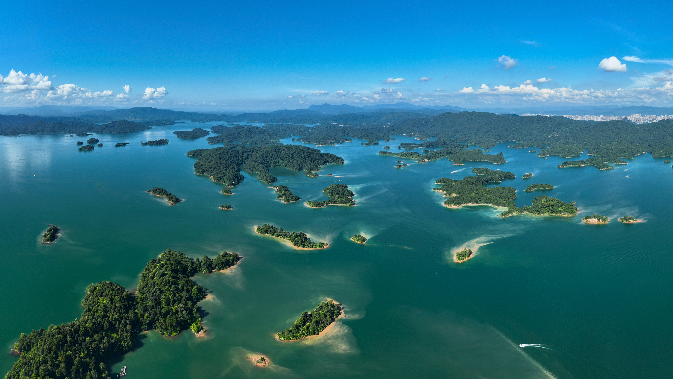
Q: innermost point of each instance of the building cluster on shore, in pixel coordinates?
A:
(636, 118)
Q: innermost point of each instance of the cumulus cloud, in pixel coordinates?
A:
(127, 89)
(20, 82)
(320, 93)
(507, 62)
(612, 64)
(343, 94)
(543, 80)
(528, 82)
(483, 88)
(466, 90)
(106, 93)
(121, 97)
(151, 93)
(393, 81)
(424, 79)
(388, 94)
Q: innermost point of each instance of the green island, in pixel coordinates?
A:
(100, 145)
(92, 141)
(224, 164)
(359, 238)
(121, 144)
(527, 175)
(225, 207)
(667, 161)
(473, 190)
(312, 323)
(284, 194)
(51, 234)
(595, 219)
(400, 165)
(339, 194)
(158, 142)
(86, 148)
(600, 163)
(195, 133)
(80, 143)
(539, 187)
(628, 220)
(298, 239)
(226, 191)
(165, 301)
(311, 174)
(458, 155)
(160, 192)
(463, 255)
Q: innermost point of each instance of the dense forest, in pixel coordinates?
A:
(463, 255)
(458, 155)
(539, 187)
(160, 192)
(338, 194)
(195, 133)
(284, 194)
(544, 206)
(112, 317)
(312, 323)
(51, 234)
(297, 239)
(158, 142)
(86, 148)
(359, 238)
(595, 218)
(22, 124)
(628, 219)
(224, 164)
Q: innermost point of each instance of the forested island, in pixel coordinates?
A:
(463, 255)
(539, 187)
(224, 164)
(195, 133)
(283, 193)
(595, 219)
(359, 238)
(121, 144)
(51, 234)
(86, 148)
(313, 322)
(457, 154)
(166, 301)
(92, 141)
(226, 191)
(338, 194)
(160, 192)
(297, 239)
(628, 220)
(527, 175)
(158, 142)
(225, 207)
(472, 190)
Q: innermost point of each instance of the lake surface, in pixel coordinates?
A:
(587, 301)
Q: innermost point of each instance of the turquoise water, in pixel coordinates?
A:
(591, 300)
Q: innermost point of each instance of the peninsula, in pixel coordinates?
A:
(52, 233)
(284, 194)
(298, 239)
(314, 322)
(160, 192)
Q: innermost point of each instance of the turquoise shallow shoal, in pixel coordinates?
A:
(587, 301)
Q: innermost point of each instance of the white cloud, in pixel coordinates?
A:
(543, 80)
(106, 93)
(424, 79)
(438, 90)
(507, 62)
(121, 97)
(388, 94)
(629, 58)
(612, 64)
(466, 90)
(127, 89)
(20, 82)
(320, 93)
(483, 88)
(151, 93)
(528, 82)
(393, 81)
(343, 94)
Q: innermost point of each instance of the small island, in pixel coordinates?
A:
(80, 143)
(51, 234)
(310, 174)
(284, 194)
(92, 141)
(158, 142)
(312, 323)
(595, 219)
(160, 192)
(226, 191)
(259, 360)
(400, 165)
(628, 220)
(225, 207)
(462, 256)
(86, 148)
(298, 239)
(100, 145)
(528, 175)
(121, 144)
(667, 161)
(359, 238)
(539, 187)
(195, 133)
(339, 194)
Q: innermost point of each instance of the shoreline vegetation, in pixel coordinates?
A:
(158, 142)
(473, 190)
(338, 194)
(539, 187)
(285, 195)
(165, 300)
(52, 233)
(160, 192)
(225, 207)
(359, 238)
(298, 240)
(629, 220)
(259, 360)
(462, 255)
(313, 323)
(527, 175)
(595, 219)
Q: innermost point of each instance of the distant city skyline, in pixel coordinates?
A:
(264, 56)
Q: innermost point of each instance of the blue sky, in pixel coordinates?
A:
(224, 55)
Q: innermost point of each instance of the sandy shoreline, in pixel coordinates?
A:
(254, 228)
(464, 260)
(165, 198)
(259, 360)
(474, 205)
(324, 331)
(594, 221)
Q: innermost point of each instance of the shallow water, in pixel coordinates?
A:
(593, 300)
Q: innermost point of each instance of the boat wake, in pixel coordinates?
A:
(540, 346)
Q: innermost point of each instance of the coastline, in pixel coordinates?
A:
(324, 332)
(164, 197)
(594, 221)
(259, 360)
(464, 260)
(254, 228)
(498, 207)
